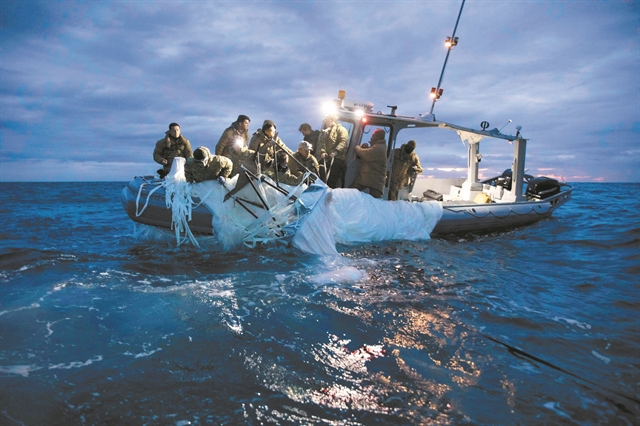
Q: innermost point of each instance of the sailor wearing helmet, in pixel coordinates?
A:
(205, 166)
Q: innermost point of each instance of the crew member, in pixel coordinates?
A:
(236, 135)
(373, 170)
(172, 145)
(310, 136)
(406, 165)
(238, 155)
(332, 149)
(303, 159)
(205, 166)
(281, 168)
(265, 143)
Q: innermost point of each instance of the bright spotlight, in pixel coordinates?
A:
(329, 108)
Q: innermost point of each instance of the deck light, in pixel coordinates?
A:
(364, 120)
(329, 108)
(359, 113)
(433, 93)
(451, 42)
(436, 93)
(342, 94)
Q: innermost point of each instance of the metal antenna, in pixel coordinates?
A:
(505, 125)
(450, 43)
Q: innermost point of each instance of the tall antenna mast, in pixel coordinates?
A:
(452, 41)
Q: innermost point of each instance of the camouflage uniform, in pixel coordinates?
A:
(210, 168)
(238, 157)
(265, 149)
(310, 163)
(404, 165)
(333, 139)
(284, 177)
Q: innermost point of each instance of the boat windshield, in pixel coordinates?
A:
(368, 131)
(442, 154)
(347, 125)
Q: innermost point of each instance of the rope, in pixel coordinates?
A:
(328, 171)
(159, 185)
(277, 223)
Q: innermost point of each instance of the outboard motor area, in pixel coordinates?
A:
(542, 187)
(505, 180)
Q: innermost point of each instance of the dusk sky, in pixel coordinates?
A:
(88, 87)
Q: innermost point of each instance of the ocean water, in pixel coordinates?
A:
(101, 324)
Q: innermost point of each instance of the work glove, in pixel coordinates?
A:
(222, 180)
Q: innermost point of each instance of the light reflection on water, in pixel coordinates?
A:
(392, 333)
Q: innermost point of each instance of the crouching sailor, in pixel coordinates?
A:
(279, 171)
(206, 166)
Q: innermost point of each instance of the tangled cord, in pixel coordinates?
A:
(274, 223)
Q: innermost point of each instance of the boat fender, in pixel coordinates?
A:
(482, 199)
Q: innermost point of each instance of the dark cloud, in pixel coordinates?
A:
(90, 86)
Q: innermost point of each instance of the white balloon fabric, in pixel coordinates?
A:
(313, 218)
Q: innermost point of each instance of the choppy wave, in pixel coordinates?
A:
(534, 325)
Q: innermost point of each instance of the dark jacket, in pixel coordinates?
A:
(373, 169)
(312, 138)
(168, 148)
(229, 137)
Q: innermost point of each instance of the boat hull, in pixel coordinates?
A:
(146, 206)
(471, 218)
(135, 195)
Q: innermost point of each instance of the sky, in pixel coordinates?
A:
(88, 87)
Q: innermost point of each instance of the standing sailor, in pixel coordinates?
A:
(265, 143)
(373, 170)
(332, 149)
(310, 136)
(406, 165)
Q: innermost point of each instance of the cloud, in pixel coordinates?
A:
(100, 81)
